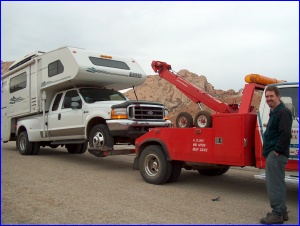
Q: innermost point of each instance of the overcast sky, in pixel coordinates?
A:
(224, 41)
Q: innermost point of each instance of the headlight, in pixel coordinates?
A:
(166, 114)
(119, 113)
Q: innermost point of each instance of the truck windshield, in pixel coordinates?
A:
(92, 95)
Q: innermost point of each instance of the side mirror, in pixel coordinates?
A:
(288, 102)
(76, 105)
(291, 108)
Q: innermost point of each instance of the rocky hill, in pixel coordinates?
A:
(157, 89)
(5, 66)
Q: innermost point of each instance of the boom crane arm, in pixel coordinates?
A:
(191, 91)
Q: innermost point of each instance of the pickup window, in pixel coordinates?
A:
(92, 95)
(71, 96)
(56, 102)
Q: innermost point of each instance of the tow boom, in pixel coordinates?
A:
(194, 93)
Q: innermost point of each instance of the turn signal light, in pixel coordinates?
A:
(119, 117)
(118, 113)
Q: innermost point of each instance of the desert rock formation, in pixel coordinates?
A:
(158, 89)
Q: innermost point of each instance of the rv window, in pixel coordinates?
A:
(20, 63)
(55, 68)
(93, 95)
(109, 63)
(56, 102)
(19, 82)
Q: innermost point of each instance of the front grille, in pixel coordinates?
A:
(145, 112)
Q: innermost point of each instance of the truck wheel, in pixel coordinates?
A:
(153, 165)
(24, 145)
(83, 148)
(203, 119)
(224, 170)
(176, 170)
(184, 120)
(76, 148)
(100, 137)
(214, 172)
(35, 148)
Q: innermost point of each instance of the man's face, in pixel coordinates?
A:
(272, 100)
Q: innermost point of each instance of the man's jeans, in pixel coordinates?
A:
(275, 174)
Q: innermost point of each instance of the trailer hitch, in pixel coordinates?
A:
(107, 151)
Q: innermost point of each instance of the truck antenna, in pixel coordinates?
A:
(135, 93)
(72, 84)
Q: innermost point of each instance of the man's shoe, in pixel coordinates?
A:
(272, 219)
(285, 215)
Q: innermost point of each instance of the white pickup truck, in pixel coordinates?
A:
(69, 97)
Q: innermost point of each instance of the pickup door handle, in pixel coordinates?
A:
(59, 116)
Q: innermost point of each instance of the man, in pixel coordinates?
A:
(277, 138)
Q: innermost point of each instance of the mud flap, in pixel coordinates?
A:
(136, 163)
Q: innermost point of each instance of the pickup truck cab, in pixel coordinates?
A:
(98, 116)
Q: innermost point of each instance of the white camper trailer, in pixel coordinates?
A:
(69, 97)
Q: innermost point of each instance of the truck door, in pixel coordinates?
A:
(6, 128)
(289, 96)
(65, 122)
(228, 142)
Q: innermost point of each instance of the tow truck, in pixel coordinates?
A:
(232, 136)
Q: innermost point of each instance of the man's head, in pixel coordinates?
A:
(272, 96)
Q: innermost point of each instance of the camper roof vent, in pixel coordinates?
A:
(25, 59)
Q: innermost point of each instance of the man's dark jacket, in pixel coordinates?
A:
(277, 136)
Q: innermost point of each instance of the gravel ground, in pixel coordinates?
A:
(55, 187)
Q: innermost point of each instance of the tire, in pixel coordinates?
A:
(76, 148)
(176, 171)
(100, 137)
(153, 165)
(224, 170)
(214, 172)
(83, 148)
(203, 120)
(35, 148)
(25, 147)
(184, 120)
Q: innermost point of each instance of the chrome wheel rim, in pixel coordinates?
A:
(152, 165)
(98, 140)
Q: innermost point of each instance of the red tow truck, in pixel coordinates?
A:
(232, 136)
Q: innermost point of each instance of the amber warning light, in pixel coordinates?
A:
(105, 56)
(260, 79)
